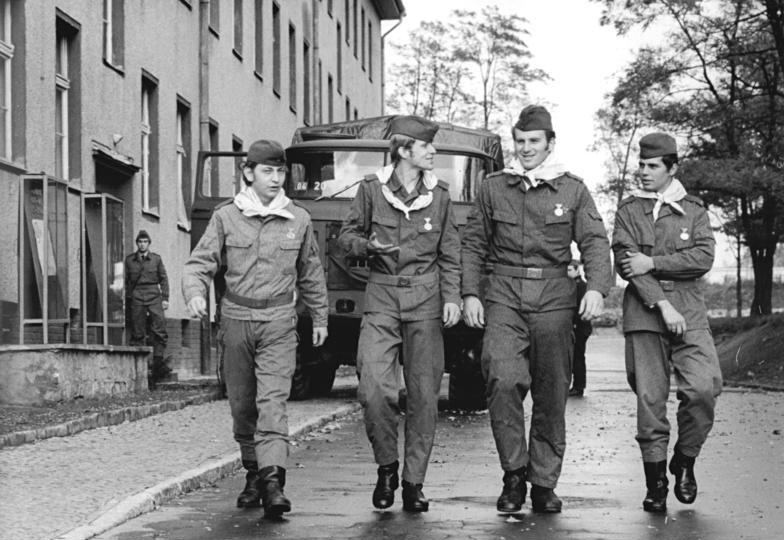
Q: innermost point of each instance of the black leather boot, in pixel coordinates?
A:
(384, 494)
(413, 498)
(513, 495)
(682, 467)
(544, 500)
(656, 483)
(272, 480)
(251, 495)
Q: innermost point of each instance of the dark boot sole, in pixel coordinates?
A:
(509, 509)
(276, 510)
(249, 504)
(416, 508)
(544, 509)
(654, 509)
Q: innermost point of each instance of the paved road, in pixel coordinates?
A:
(741, 476)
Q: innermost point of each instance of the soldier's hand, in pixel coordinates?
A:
(165, 304)
(473, 312)
(319, 335)
(198, 306)
(673, 320)
(591, 306)
(451, 314)
(636, 264)
(374, 246)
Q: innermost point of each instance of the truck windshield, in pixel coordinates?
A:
(335, 173)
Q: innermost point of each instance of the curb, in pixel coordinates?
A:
(103, 419)
(757, 386)
(212, 471)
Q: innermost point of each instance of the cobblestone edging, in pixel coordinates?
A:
(103, 419)
(772, 387)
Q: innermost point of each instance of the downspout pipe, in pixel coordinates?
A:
(316, 92)
(383, 60)
(205, 329)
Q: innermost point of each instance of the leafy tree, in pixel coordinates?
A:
(717, 84)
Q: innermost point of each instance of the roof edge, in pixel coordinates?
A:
(389, 9)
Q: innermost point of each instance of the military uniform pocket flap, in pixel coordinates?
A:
(239, 241)
(290, 244)
(505, 217)
(681, 244)
(387, 221)
(553, 219)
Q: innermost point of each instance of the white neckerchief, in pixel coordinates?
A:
(549, 169)
(428, 179)
(674, 193)
(250, 204)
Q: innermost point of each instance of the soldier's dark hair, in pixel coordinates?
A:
(251, 165)
(669, 160)
(396, 142)
(548, 133)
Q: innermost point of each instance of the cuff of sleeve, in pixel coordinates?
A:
(593, 286)
(190, 294)
(452, 299)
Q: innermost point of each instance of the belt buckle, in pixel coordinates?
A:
(533, 273)
(403, 282)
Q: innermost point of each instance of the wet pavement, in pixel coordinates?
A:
(331, 477)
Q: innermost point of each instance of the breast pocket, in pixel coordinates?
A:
(558, 228)
(385, 228)
(506, 227)
(289, 250)
(239, 250)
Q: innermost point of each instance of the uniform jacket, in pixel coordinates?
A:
(146, 281)
(265, 258)
(513, 225)
(429, 244)
(581, 327)
(682, 248)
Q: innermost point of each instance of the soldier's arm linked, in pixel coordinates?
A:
(353, 236)
(693, 260)
(310, 280)
(477, 235)
(449, 259)
(591, 238)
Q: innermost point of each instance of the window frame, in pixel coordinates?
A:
(6, 103)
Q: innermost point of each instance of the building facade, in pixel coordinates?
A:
(103, 107)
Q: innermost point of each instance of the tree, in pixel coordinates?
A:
(721, 90)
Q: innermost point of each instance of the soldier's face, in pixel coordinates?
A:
(532, 147)
(266, 180)
(654, 175)
(143, 244)
(421, 155)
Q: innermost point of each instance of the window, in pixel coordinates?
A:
(276, 48)
(329, 7)
(259, 35)
(6, 55)
(149, 128)
(306, 82)
(347, 9)
(356, 114)
(370, 51)
(67, 99)
(214, 180)
(355, 28)
(215, 16)
(348, 108)
(363, 38)
(237, 27)
(292, 68)
(339, 67)
(236, 146)
(113, 32)
(330, 99)
(183, 152)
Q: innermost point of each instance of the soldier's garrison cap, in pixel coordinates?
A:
(533, 118)
(414, 127)
(656, 145)
(143, 235)
(267, 152)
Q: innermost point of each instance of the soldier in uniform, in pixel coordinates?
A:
(582, 331)
(147, 296)
(401, 220)
(662, 244)
(523, 223)
(268, 247)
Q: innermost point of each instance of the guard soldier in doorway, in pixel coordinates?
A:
(662, 244)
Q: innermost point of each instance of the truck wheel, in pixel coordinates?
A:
(322, 377)
(467, 388)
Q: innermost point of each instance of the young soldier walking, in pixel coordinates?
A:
(523, 222)
(268, 247)
(662, 244)
(401, 220)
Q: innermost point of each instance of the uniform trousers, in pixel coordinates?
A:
(259, 358)
(139, 314)
(650, 356)
(382, 340)
(524, 351)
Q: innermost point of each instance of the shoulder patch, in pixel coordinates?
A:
(694, 199)
(574, 177)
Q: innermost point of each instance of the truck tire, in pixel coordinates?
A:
(467, 388)
(322, 377)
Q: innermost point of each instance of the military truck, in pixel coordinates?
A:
(325, 165)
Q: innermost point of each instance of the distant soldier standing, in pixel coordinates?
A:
(523, 223)
(268, 247)
(147, 296)
(582, 331)
(402, 221)
(662, 244)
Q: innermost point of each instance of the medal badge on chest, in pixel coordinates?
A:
(558, 210)
(428, 225)
(684, 233)
(290, 235)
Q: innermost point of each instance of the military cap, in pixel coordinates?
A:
(656, 145)
(414, 127)
(266, 152)
(143, 235)
(533, 118)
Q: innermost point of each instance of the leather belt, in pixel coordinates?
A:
(671, 285)
(529, 272)
(260, 303)
(403, 281)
